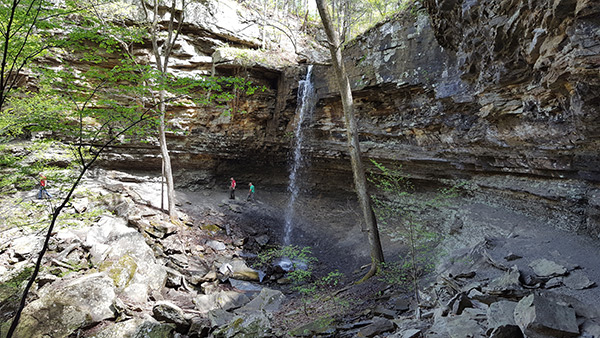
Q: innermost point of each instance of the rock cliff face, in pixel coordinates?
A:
(502, 95)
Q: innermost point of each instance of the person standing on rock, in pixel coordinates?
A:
(250, 196)
(232, 189)
(43, 193)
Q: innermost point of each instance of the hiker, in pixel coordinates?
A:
(232, 189)
(43, 193)
(250, 196)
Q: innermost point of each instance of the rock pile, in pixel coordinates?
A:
(477, 295)
(133, 273)
(480, 296)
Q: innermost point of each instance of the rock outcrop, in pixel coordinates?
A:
(136, 273)
(501, 96)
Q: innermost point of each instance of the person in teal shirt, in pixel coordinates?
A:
(250, 192)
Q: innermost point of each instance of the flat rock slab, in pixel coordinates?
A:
(216, 245)
(577, 280)
(506, 284)
(412, 333)
(539, 317)
(379, 325)
(463, 326)
(268, 300)
(546, 268)
(501, 313)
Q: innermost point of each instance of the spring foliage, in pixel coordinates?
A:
(403, 215)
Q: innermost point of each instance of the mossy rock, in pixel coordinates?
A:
(210, 228)
(10, 294)
(251, 325)
(136, 328)
(69, 319)
(319, 326)
(154, 330)
(121, 271)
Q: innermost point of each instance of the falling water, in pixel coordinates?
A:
(306, 104)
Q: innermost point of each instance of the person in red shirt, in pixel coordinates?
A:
(43, 193)
(232, 189)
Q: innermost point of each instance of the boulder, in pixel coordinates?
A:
(506, 331)
(268, 300)
(174, 278)
(501, 320)
(254, 325)
(225, 300)
(26, 245)
(243, 272)
(382, 311)
(67, 305)
(199, 327)
(412, 333)
(507, 284)
(145, 327)
(244, 286)
(136, 294)
(123, 253)
(465, 325)
(459, 302)
(400, 304)
(165, 311)
(539, 317)
(590, 328)
(262, 240)
(216, 245)
(219, 317)
(316, 328)
(554, 282)
(120, 271)
(80, 205)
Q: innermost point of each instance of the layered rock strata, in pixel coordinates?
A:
(502, 95)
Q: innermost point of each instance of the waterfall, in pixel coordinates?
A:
(306, 103)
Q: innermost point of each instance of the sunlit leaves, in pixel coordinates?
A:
(30, 112)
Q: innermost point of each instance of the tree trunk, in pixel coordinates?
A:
(360, 181)
(168, 172)
(161, 55)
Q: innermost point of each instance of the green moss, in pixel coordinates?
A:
(154, 330)
(314, 328)
(121, 271)
(237, 323)
(212, 229)
(10, 294)
(14, 284)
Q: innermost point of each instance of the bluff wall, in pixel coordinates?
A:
(501, 94)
